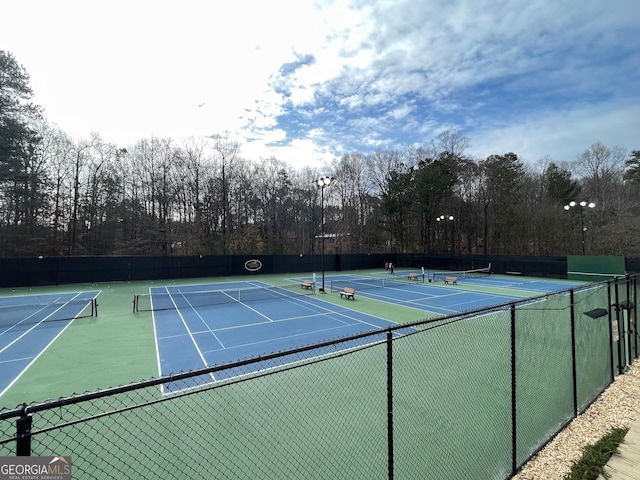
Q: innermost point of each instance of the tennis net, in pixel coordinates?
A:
(593, 277)
(25, 313)
(192, 299)
(461, 274)
(371, 283)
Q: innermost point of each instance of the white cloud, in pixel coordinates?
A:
(561, 135)
(301, 153)
(507, 73)
(401, 112)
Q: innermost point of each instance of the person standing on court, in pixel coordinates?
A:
(391, 268)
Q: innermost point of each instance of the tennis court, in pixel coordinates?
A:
(201, 325)
(118, 346)
(451, 384)
(431, 297)
(516, 282)
(30, 323)
(432, 292)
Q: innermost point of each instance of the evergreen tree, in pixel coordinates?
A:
(632, 173)
(16, 138)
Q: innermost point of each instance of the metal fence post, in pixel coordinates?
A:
(631, 307)
(390, 402)
(23, 434)
(610, 318)
(514, 436)
(633, 315)
(573, 354)
(620, 323)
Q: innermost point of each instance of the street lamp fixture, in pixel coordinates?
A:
(583, 204)
(443, 218)
(323, 183)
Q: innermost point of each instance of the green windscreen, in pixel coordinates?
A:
(588, 268)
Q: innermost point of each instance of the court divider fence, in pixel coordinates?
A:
(467, 396)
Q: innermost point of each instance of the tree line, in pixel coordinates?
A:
(64, 196)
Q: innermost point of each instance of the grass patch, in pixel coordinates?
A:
(596, 456)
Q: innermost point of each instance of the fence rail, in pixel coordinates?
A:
(474, 395)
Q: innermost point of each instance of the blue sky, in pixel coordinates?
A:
(307, 81)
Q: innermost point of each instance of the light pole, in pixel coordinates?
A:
(322, 183)
(583, 204)
(442, 218)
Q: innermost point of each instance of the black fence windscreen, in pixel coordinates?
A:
(67, 270)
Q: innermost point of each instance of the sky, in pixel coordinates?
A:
(308, 81)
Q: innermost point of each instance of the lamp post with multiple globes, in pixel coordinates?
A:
(323, 183)
(583, 204)
(443, 218)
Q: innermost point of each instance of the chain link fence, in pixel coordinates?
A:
(470, 396)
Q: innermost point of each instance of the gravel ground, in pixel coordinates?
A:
(617, 407)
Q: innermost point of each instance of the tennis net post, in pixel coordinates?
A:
(34, 313)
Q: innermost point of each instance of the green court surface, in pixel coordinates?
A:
(118, 347)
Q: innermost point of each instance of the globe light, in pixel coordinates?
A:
(583, 227)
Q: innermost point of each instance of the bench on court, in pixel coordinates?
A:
(348, 293)
(453, 280)
(308, 284)
(412, 276)
(514, 273)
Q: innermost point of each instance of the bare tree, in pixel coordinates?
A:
(451, 142)
(599, 168)
(357, 207)
(226, 151)
(56, 152)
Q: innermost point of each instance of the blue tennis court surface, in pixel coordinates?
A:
(205, 325)
(30, 323)
(432, 297)
(519, 283)
(195, 336)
